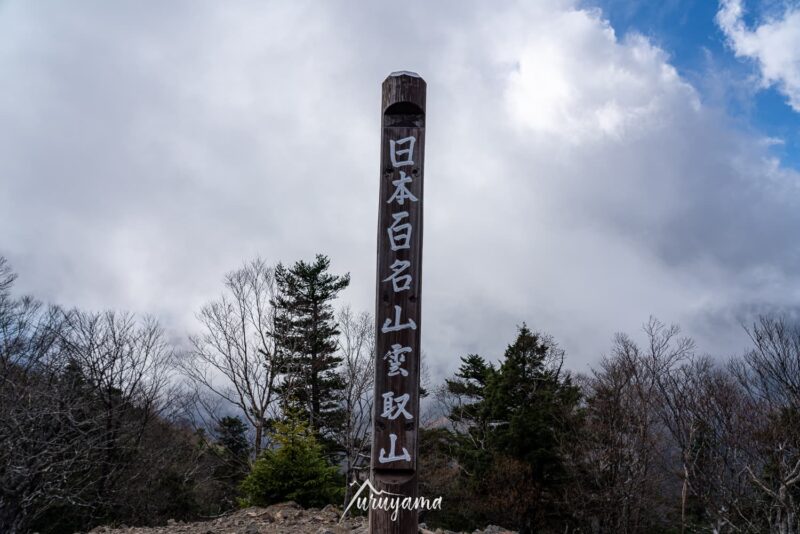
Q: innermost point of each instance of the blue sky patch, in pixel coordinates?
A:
(687, 31)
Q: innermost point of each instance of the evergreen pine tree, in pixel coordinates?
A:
(234, 449)
(306, 333)
(530, 402)
(510, 422)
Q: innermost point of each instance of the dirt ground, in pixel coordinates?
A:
(284, 518)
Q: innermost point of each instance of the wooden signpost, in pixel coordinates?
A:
(398, 299)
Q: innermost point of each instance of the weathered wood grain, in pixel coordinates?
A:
(403, 117)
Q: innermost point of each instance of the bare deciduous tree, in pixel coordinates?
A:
(235, 356)
(77, 393)
(121, 356)
(769, 375)
(43, 449)
(119, 367)
(7, 277)
(357, 349)
(624, 449)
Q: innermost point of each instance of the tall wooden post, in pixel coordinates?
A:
(398, 299)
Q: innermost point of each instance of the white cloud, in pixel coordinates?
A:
(573, 181)
(773, 44)
(576, 81)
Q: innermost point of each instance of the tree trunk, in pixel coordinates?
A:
(684, 491)
(257, 444)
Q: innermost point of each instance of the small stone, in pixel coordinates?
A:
(288, 513)
(330, 511)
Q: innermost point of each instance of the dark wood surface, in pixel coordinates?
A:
(403, 117)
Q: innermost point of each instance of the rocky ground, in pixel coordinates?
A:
(285, 518)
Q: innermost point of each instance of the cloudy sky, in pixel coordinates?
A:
(588, 163)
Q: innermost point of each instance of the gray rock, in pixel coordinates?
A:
(328, 514)
(287, 514)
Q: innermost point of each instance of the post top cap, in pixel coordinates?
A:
(404, 73)
(403, 94)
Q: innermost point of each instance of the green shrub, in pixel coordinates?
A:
(293, 470)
